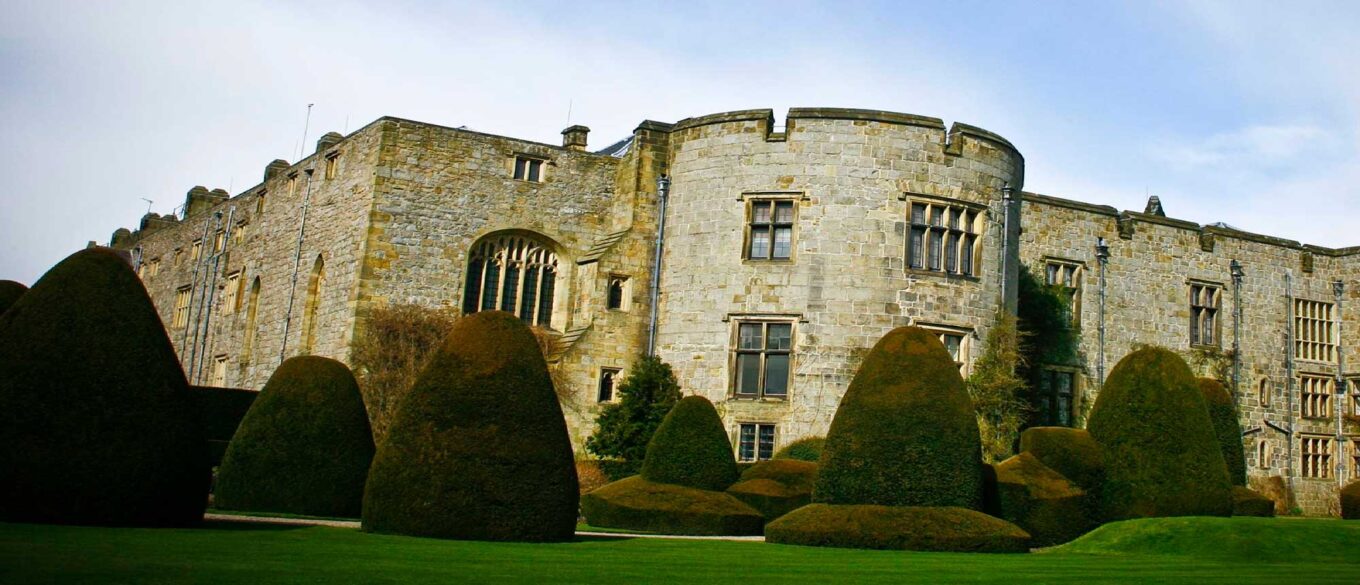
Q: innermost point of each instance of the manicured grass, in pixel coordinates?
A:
(237, 553)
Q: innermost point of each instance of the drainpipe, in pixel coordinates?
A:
(663, 189)
(198, 314)
(1102, 258)
(185, 350)
(1289, 373)
(1237, 274)
(197, 376)
(297, 258)
(1006, 197)
(1339, 287)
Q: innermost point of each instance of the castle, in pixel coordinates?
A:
(785, 253)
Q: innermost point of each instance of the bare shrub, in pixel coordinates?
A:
(389, 352)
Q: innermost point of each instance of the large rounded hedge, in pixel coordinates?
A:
(805, 449)
(776, 487)
(1227, 429)
(1350, 501)
(905, 433)
(690, 448)
(1070, 452)
(634, 503)
(221, 410)
(478, 449)
(1162, 457)
(303, 448)
(10, 292)
(947, 529)
(96, 422)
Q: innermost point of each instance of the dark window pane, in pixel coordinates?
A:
(780, 336)
(748, 373)
(760, 243)
(953, 219)
(1208, 335)
(936, 216)
(918, 213)
(760, 212)
(510, 291)
(776, 374)
(545, 298)
(1194, 326)
(535, 167)
(783, 212)
(968, 219)
(750, 336)
(526, 309)
(615, 294)
(607, 385)
(472, 287)
(766, 450)
(746, 444)
(951, 252)
(1051, 274)
(966, 259)
(783, 242)
(935, 245)
(519, 168)
(489, 284)
(915, 248)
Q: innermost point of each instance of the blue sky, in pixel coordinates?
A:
(1244, 112)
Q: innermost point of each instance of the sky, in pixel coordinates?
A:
(1237, 111)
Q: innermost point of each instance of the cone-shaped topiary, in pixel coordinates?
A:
(1350, 501)
(303, 448)
(96, 424)
(690, 448)
(905, 433)
(478, 449)
(1223, 414)
(805, 449)
(10, 292)
(1162, 457)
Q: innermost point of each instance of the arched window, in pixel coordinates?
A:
(512, 273)
(1263, 454)
(315, 285)
(1263, 393)
(252, 309)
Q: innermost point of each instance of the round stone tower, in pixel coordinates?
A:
(789, 254)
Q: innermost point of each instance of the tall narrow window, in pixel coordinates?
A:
(252, 311)
(196, 251)
(769, 231)
(332, 164)
(1313, 329)
(1055, 404)
(528, 169)
(1263, 393)
(1066, 276)
(1204, 305)
(943, 237)
(231, 293)
(1355, 398)
(1316, 394)
(755, 442)
(219, 241)
(617, 297)
(1317, 457)
(1263, 454)
(512, 273)
(292, 184)
(608, 377)
(181, 316)
(219, 371)
(238, 235)
(763, 359)
(1355, 458)
(259, 204)
(315, 286)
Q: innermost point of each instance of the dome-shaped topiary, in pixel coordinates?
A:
(1162, 457)
(1227, 429)
(690, 448)
(303, 448)
(905, 433)
(805, 449)
(10, 292)
(633, 503)
(96, 423)
(478, 449)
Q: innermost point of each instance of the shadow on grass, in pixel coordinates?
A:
(239, 526)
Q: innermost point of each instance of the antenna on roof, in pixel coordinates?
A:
(148, 203)
(305, 125)
(569, 100)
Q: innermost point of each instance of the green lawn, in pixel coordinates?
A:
(1199, 551)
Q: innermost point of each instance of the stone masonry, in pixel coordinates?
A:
(392, 214)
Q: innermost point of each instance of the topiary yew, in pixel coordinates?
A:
(478, 449)
(776, 487)
(634, 503)
(1162, 457)
(96, 422)
(1250, 503)
(303, 448)
(221, 410)
(10, 292)
(1223, 414)
(905, 433)
(947, 529)
(1070, 452)
(805, 449)
(690, 448)
(1350, 501)
(1051, 508)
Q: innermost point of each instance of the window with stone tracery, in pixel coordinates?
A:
(943, 237)
(512, 273)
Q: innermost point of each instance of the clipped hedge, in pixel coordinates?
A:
(303, 448)
(478, 449)
(10, 292)
(221, 410)
(805, 449)
(1223, 414)
(1048, 506)
(1070, 452)
(1350, 501)
(776, 487)
(1250, 503)
(949, 529)
(905, 433)
(96, 422)
(637, 504)
(1162, 457)
(690, 448)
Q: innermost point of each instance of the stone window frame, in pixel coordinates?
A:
(965, 335)
(238, 233)
(531, 163)
(775, 199)
(218, 374)
(1352, 396)
(758, 450)
(927, 226)
(1044, 390)
(196, 250)
(608, 380)
(525, 251)
(231, 292)
(332, 165)
(292, 184)
(1264, 392)
(1314, 330)
(1264, 453)
(734, 360)
(153, 267)
(622, 286)
(219, 241)
(260, 200)
(1072, 274)
(1205, 301)
(179, 319)
(1354, 441)
(1315, 456)
(1315, 395)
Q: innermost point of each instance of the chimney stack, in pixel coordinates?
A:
(574, 137)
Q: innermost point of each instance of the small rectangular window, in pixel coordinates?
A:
(955, 341)
(196, 251)
(1355, 400)
(1205, 300)
(238, 234)
(609, 377)
(259, 204)
(1317, 457)
(231, 293)
(943, 237)
(769, 230)
(617, 295)
(292, 184)
(528, 169)
(763, 359)
(154, 267)
(1065, 276)
(219, 371)
(332, 163)
(755, 442)
(1316, 395)
(1056, 404)
(1355, 458)
(181, 316)
(219, 241)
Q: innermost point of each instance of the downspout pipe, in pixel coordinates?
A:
(663, 189)
(297, 259)
(1007, 195)
(185, 350)
(1102, 258)
(1338, 291)
(1289, 374)
(203, 259)
(1236, 268)
(197, 376)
